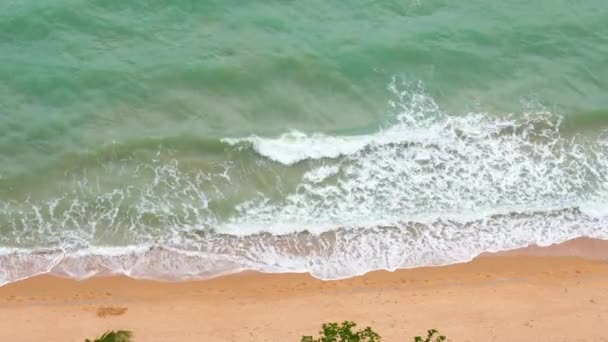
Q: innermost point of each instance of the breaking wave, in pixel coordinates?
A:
(427, 188)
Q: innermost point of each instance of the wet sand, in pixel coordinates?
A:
(555, 293)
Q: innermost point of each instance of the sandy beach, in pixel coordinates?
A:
(555, 293)
(224, 171)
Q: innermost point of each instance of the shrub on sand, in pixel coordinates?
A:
(114, 336)
(334, 332)
(432, 336)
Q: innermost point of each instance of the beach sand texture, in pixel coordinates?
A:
(532, 294)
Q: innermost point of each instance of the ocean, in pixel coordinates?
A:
(191, 139)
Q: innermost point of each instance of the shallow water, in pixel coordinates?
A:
(193, 139)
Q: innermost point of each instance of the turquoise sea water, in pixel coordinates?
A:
(197, 138)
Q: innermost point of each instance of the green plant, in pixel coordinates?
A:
(333, 332)
(114, 336)
(432, 336)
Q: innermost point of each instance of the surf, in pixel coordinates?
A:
(428, 187)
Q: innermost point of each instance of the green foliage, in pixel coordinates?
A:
(432, 336)
(114, 336)
(333, 332)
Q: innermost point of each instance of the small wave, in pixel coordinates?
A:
(415, 113)
(333, 254)
(295, 146)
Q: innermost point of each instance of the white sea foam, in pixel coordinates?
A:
(428, 188)
(321, 173)
(415, 113)
(333, 254)
(295, 146)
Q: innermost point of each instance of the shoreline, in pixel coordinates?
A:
(553, 293)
